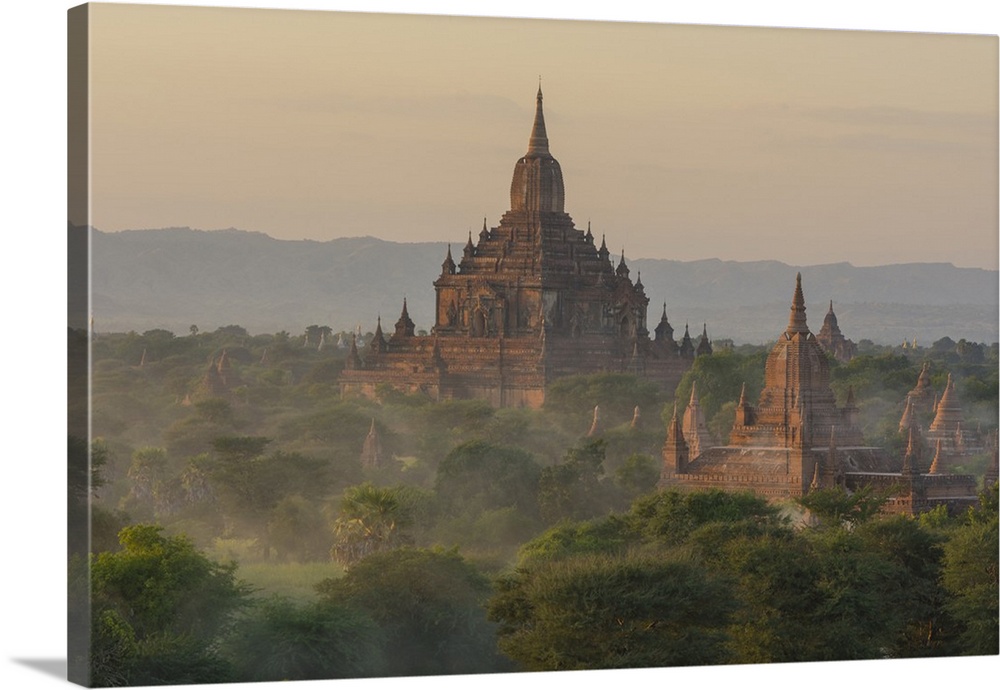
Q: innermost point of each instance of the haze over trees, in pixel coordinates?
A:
(481, 540)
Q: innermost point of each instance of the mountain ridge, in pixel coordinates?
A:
(176, 277)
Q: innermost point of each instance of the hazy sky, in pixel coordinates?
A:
(679, 142)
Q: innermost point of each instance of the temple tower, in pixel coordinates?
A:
(833, 341)
(797, 406)
(695, 431)
(675, 451)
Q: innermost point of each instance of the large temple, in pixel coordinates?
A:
(797, 439)
(532, 300)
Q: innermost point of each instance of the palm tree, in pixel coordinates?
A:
(371, 519)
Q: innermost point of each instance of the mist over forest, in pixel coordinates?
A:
(248, 522)
(172, 278)
(246, 526)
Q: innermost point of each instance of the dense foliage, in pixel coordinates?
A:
(486, 540)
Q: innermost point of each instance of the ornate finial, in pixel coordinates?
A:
(448, 265)
(622, 269)
(797, 318)
(664, 316)
(538, 143)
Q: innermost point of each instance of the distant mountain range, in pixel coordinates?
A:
(177, 277)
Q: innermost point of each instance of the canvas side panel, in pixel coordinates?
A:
(78, 347)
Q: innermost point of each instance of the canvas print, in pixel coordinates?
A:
(423, 345)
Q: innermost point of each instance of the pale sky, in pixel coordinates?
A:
(679, 142)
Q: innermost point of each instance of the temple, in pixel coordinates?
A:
(796, 439)
(951, 441)
(833, 341)
(529, 301)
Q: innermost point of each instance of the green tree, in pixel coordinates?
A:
(638, 475)
(371, 519)
(481, 476)
(298, 531)
(617, 395)
(970, 575)
(572, 490)
(158, 607)
(836, 506)
(669, 518)
(720, 377)
(916, 550)
(279, 640)
(595, 612)
(250, 485)
(429, 606)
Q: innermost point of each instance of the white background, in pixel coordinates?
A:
(32, 359)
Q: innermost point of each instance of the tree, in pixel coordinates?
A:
(298, 531)
(481, 476)
(916, 550)
(616, 394)
(638, 475)
(595, 612)
(970, 575)
(250, 485)
(720, 379)
(371, 519)
(278, 640)
(836, 506)
(670, 517)
(429, 606)
(572, 490)
(146, 474)
(158, 606)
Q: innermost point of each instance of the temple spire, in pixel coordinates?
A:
(936, 462)
(538, 144)
(448, 266)
(797, 318)
(353, 359)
